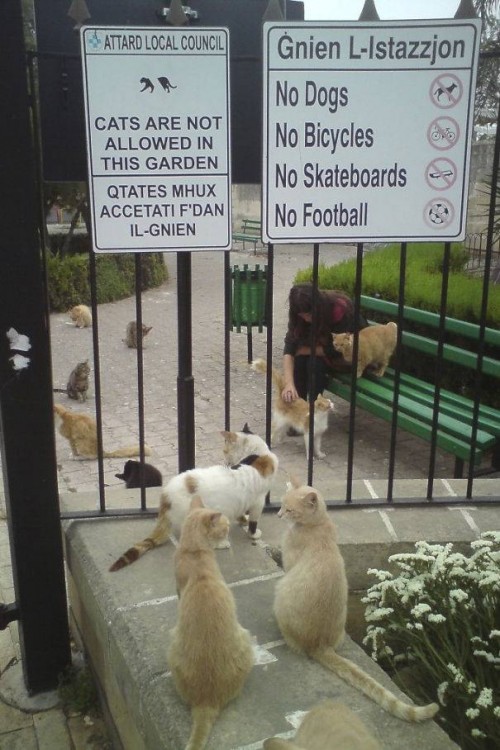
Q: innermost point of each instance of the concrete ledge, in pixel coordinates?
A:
(124, 620)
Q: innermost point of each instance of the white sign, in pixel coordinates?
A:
(367, 130)
(158, 141)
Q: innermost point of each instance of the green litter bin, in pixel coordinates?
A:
(249, 300)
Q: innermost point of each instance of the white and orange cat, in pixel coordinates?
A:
(81, 432)
(296, 413)
(210, 654)
(236, 489)
(81, 316)
(376, 345)
(310, 601)
(328, 726)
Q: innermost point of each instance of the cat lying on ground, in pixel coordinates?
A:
(210, 654)
(376, 345)
(78, 382)
(81, 432)
(132, 475)
(296, 413)
(236, 489)
(328, 726)
(131, 334)
(81, 316)
(310, 601)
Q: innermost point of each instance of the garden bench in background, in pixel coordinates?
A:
(250, 231)
(416, 396)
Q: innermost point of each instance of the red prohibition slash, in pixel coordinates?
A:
(439, 213)
(443, 133)
(441, 173)
(446, 91)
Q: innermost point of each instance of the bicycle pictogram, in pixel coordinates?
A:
(443, 133)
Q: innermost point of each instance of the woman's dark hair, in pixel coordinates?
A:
(300, 300)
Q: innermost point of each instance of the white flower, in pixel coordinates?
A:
(378, 613)
(420, 609)
(477, 733)
(471, 688)
(479, 543)
(441, 691)
(472, 713)
(458, 595)
(496, 712)
(495, 634)
(458, 676)
(485, 698)
(419, 626)
(436, 618)
(382, 575)
(488, 656)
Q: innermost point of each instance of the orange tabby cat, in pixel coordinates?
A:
(81, 432)
(328, 726)
(210, 654)
(311, 599)
(81, 316)
(296, 413)
(375, 347)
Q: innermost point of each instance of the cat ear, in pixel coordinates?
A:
(295, 481)
(196, 503)
(311, 500)
(215, 518)
(231, 436)
(246, 429)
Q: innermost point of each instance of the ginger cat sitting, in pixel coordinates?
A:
(81, 432)
(210, 654)
(310, 602)
(296, 413)
(376, 345)
(81, 316)
(328, 726)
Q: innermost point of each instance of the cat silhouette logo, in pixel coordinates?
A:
(147, 84)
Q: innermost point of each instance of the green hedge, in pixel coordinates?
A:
(68, 277)
(423, 280)
(424, 262)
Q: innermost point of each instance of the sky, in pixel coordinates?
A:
(346, 10)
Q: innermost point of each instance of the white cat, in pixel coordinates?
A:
(235, 489)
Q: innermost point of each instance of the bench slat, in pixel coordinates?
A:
(453, 325)
(407, 404)
(449, 443)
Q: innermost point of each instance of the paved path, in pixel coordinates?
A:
(119, 382)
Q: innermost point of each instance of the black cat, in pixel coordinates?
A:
(132, 475)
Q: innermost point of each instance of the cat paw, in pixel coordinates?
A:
(256, 535)
(224, 544)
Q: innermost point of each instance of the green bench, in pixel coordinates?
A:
(415, 405)
(251, 231)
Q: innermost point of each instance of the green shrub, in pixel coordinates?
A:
(423, 279)
(68, 277)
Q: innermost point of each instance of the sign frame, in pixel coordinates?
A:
(313, 191)
(159, 155)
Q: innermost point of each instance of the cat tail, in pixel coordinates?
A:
(159, 535)
(128, 452)
(259, 365)
(362, 681)
(203, 720)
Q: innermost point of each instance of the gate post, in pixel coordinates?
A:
(26, 421)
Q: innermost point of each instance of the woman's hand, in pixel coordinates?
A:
(289, 393)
